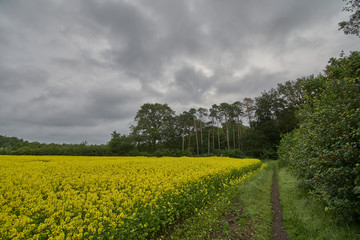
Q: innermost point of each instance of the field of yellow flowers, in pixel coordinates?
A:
(61, 197)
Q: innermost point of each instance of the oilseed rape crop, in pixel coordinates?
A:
(58, 197)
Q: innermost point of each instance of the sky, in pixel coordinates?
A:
(74, 71)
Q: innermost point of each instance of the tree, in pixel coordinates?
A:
(120, 144)
(268, 105)
(276, 113)
(249, 109)
(215, 115)
(193, 115)
(154, 123)
(352, 26)
(184, 119)
(201, 113)
(227, 113)
(292, 92)
(238, 112)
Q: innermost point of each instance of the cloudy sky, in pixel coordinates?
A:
(77, 70)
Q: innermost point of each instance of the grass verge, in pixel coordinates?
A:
(241, 212)
(306, 218)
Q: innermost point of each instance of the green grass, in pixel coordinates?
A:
(305, 218)
(244, 209)
(255, 198)
(248, 207)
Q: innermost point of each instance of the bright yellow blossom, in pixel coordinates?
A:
(61, 197)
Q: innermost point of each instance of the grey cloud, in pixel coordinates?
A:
(128, 31)
(13, 79)
(80, 69)
(112, 104)
(189, 85)
(252, 84)
(93, 108)
(141, 44)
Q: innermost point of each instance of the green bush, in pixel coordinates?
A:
(235, 153)
(324, 151)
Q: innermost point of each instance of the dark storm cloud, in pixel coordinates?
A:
(74, 71)
(146, 37)
(252, 83)
(128, 31)
(112, 104)
(189, 86)
(13, 79)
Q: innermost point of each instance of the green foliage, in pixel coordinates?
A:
(352, 26)
(10, 142)
(255, 142)
(15, 146)
(275, 115)
(120, 144)
(154, 124)
(325, 150)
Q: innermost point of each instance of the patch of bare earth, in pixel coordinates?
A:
(278, 227)
(233, 225)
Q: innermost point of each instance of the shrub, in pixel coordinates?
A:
(324, 151)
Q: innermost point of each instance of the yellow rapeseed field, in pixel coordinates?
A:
(61, 197)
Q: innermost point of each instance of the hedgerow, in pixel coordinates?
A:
(325, 150)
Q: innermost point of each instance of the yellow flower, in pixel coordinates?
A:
(45, 196)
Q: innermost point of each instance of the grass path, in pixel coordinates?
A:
(245, 212)
(306, 218)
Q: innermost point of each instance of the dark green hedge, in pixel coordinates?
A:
(325, 150)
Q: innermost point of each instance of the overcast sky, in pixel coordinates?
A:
(76, 70)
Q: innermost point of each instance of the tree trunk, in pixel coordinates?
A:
(227, 135)
(196, 137)
(201, 135)
(240, 142)
(189, 140)
(213, 140)
(208, 141)
(239, 135)
(183, 138)
(234, 140)
(218, 138)
(154, 144)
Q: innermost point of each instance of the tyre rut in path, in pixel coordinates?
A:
(278, 228)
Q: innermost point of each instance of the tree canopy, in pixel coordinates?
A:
(352, 26)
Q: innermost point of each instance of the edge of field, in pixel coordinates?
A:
(305, 217)
(245, 212)
(241, 212)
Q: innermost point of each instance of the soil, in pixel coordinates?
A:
(278, 228)
(233, 225)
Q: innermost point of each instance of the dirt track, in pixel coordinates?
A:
(278, 228)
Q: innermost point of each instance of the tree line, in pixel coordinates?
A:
(218, 130)
(18, 146)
